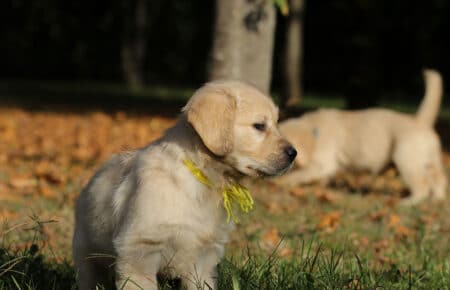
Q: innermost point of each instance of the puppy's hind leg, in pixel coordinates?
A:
(416, 180)
(424, 174)
(414, 176)
(418, 193)
(438, 183)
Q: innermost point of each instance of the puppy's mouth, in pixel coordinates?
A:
(270, 172)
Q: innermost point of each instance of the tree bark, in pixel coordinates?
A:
(292, 66)
(135, 44)
(243, 42)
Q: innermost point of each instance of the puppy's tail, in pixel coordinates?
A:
(431, 103)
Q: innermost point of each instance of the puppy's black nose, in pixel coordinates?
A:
(290, 152)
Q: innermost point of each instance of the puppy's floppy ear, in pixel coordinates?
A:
(211, 111)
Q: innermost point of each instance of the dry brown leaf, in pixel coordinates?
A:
(364, 242)
(49, 172)
(47, 192)
(286, 251)
(403, 232)
(6, 214)
(83, 154)
(329, 221)
(394, 220)
(271, 237)
(381, 245)
(391, 201)
(22, 182)
(297, 192)
(383, 260)
(8, 196)
(273, 207)
(377, 216)
(325, 196)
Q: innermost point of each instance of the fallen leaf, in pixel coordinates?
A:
(49, 172)
(394, 220)
(271, 237)
(403, 232)
(297, 192)
(286, 251)
(273, 207)
(381, 245)
(329, 221)
(7, 215)
(377, 216)
(364, 242)
(391, 201)
(47, 192)
(325, 196)
(22, 182)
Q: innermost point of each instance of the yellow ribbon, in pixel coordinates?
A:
(234, 194)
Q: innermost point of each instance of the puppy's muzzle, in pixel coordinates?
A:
(290, 152)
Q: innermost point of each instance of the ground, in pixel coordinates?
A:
(47, 154)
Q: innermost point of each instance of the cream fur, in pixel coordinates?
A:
(332, 140)
(144, 213)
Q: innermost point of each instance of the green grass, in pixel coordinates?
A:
(29, 269)
(312, 266)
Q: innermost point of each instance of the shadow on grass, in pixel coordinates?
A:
(29, 269)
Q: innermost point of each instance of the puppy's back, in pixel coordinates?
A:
(95, 205)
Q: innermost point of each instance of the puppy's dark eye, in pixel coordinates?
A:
(260, 126)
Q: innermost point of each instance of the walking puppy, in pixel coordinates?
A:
(166, 208)
(331, 140)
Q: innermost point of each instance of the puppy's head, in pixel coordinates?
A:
(238, 123)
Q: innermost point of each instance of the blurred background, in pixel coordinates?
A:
(359, 50)
(81, 80)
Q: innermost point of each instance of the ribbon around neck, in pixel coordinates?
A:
(235, 196)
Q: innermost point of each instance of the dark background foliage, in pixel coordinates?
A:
(355, 47)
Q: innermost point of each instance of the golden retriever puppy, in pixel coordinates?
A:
(160, 209)
(331, 140)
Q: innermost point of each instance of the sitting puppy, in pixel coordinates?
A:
(332, 140)
(161, 209)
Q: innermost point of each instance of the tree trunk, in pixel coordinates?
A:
(135, 43)
(243, 42)
(292, 66)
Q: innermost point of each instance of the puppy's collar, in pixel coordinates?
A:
(234, 194)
